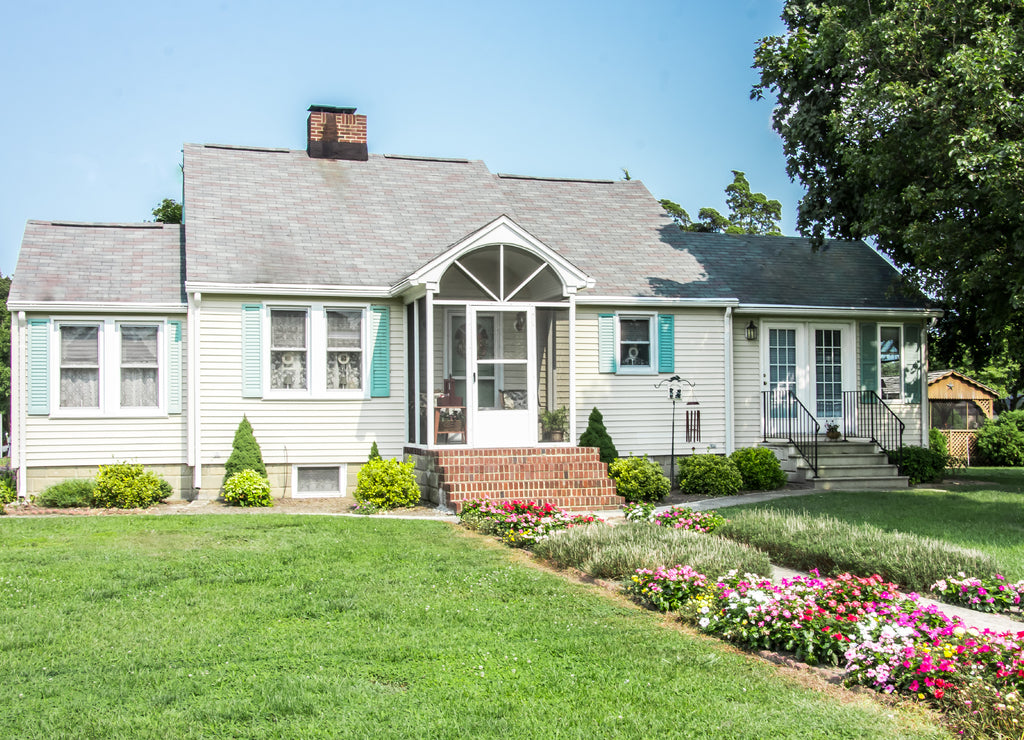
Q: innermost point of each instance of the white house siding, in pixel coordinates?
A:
(290, 431)
(637, 414)
(57, 448)
(746, 359)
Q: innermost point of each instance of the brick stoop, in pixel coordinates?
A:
(572, 478)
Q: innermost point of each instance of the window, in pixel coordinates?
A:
(635, 343)
(316, 351)
(890, 362)
(320, 480)
(114, 368)
(140, 366)
(288, 357)
(79, 367)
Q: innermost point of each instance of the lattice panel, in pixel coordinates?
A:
(963, 445)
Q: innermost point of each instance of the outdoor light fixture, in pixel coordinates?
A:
(752, 331)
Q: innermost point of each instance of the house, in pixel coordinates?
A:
(958, 405)
(337, 297)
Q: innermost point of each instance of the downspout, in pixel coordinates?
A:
(572, 368)
(926, 407)
(730, 385)
(194, 446)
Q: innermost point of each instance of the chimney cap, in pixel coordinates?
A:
(331, 109)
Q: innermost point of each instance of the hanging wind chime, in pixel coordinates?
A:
(675, 395)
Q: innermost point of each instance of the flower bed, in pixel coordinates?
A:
(520, 523)
(994, 595)
(882, 638)
(679, 517)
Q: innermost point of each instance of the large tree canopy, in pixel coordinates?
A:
(749, 213)
(905, 122)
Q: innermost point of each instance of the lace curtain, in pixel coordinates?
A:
(344, 350)
(79, 367)
(288, 349)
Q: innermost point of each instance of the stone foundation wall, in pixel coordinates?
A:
(39, 478)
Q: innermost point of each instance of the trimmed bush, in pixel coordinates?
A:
(248, 488)
(7, 491)
(709, 475)
(68, 494)
(833, 547)
(387, 484)
(937, 442)
(759, 468)
(128, 486)
(617, 552)
(245, 452)
(1001, 441)
(920, 464)
(639, 479)
(374, 452)
(596, 435)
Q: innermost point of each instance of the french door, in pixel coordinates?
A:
(813, 360)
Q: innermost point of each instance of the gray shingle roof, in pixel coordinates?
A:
(104, 263)
(278, 216)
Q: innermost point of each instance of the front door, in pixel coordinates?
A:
(815, 362)
(502, 376)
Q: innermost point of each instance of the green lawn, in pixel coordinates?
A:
(299, 626)
(981, 508)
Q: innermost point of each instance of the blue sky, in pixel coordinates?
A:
(99, 97)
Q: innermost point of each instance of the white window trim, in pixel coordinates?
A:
(903, 361)
(316, 353)
(652, 333)
(109, 338)
(342, 481)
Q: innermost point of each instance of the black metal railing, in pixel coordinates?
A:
(786, 418)
(866, 415)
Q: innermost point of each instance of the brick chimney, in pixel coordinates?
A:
(336, 133)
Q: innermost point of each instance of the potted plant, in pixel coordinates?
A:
(832, 430)
(554, 423)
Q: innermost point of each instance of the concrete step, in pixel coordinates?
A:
(857, 471)
(890, 483)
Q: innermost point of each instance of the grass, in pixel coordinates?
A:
(985, 516)
(321, 627)
(617, 552)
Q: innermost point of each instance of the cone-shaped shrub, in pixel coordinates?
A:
(374, 452)
(245, 452)
(597, 435)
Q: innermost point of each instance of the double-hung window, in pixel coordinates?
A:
(344, 349)
(890, 362)
(635, 342)
(289, 357)
(140, 366)
(79, 366)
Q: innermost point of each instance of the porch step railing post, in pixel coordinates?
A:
(801, 428)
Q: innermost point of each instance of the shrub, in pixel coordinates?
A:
(128, 486)
(248, 488)
(639, 479)
(596, 435)
(618, 552)
(387, 484)
(759, 468)
(920, 464)
(245, 452)
(709, 475)
(832, 546)
(68, 494)
(1001, 441)
(937, 442)
(7, 491)
(638, 511)
(374, 452)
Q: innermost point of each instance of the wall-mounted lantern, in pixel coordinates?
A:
(752, 331)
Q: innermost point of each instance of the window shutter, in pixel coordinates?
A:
(606, 343)
(380, 359)
(912, 363)
(869, 357)
(252, 350)
(38, 362)
(666, 343)
(174, 368)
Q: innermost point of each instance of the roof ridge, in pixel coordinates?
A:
(100, 225)
(274, 149)
(415, 158)
(507, 176)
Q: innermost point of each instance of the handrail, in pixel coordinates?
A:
(865, 414)
(785, 417)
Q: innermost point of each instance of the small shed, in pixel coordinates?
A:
(958, 405)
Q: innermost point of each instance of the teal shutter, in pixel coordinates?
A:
(606, 343)
(380, 359)
(666, 343)
(38, 380)
(252, 350)
(912, 363)
(869, 357)
(174, 368)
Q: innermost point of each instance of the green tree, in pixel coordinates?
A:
(749, 213)
(904, 120)
(168, 212)
(596, 435)
(245, 452)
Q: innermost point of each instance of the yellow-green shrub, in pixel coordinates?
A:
(248, 488)
(387, 483)
(128, 486)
